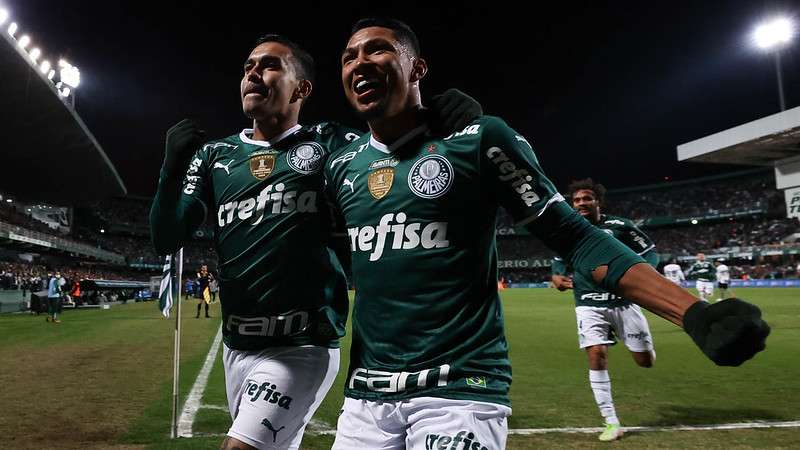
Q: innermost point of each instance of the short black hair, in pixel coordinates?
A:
(402, 31)
(302, 60)
(588, 184)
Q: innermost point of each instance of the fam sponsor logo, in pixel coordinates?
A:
(286, 324)
(348, 156)
(463, 440)
(383, 381)
(600, 296)
(403, 236)
(266, 392)
(519, 179)
(273, 199)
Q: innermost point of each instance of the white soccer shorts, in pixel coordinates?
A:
(705, 288)
(273, 393)
(423, 423)
(598, 325)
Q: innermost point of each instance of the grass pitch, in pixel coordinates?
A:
(102, 379)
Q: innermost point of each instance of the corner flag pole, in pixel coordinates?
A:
(176, 353)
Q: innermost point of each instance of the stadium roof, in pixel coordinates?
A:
(49, 154)
(762, 142)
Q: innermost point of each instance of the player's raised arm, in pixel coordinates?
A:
(729, 336)
(178, 206)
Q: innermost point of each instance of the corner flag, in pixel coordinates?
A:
(170, 281)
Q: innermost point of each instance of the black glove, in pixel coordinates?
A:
(729, 332)
(452, 111)
(183, 139)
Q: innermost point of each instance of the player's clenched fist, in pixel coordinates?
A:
(728, 332)
(182, 142)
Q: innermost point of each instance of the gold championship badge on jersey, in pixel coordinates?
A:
(380, 181)
(262, 165)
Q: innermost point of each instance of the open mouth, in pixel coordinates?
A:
(367, 89)
(259, 90)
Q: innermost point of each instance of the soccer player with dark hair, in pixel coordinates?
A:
(602, 316)
(283, 295)
(429, 361)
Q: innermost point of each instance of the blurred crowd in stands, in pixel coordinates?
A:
(745, 233)
(124, 224)
(701, 198)
(34, 277)
(11, 215)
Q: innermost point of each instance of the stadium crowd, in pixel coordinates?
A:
(699, 198)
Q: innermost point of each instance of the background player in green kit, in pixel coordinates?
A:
(704, 275)
(429, 361)
(283, 295)
(602, 316)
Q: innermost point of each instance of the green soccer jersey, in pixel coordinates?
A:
(585, 290)
(420, 218)
(278, 282)
(702, 271)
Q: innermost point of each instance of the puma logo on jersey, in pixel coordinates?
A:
(225, 167)
(519, 179)
(404, 236)
(269, 426)
(268, 201)
(350, 183)
(614, 222)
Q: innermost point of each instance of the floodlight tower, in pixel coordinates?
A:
(772, 36)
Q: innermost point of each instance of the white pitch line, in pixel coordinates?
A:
(574, 430)
(722, 426)
(217, 407)
(196, 394)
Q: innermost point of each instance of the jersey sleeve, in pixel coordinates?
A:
(559, 267)
(180, 206)
(513, 173)
(635, 239)
(336, 136)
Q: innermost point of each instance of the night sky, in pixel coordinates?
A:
(601, 90)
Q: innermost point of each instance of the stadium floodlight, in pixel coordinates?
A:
(12, 28)
(3, 15)
(24, 41)
(45, 67)
(694, 222)
(51, 74)
(772, 35)
(65, 92)
(70, 75)
(102, 230)
(35, 54)
(9, 200)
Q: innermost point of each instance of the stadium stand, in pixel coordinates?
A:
(739, 217)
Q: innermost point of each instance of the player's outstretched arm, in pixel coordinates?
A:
(728, 334)
(172, 219)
